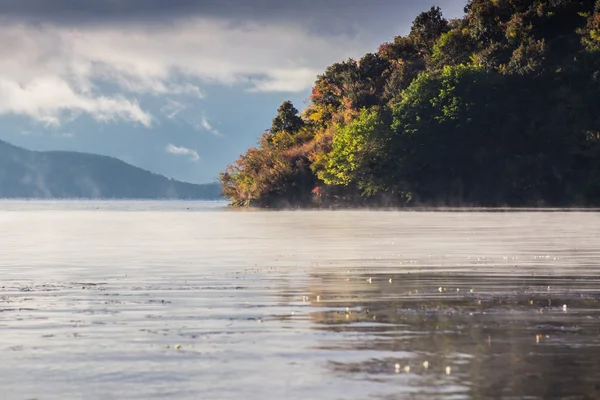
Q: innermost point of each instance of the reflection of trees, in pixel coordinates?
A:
(488, 336)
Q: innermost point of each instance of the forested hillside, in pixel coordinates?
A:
(65, 174)
(498, 108)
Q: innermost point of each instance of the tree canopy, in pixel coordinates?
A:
(499, 107)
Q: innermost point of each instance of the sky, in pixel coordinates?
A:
(177, 87)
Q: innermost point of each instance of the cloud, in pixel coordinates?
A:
(206, 125)
(326, 14)
(64, 135)
(65, 58)
(182, 151)
(49, 100)
(172, 108)
(54, 73)
(188, 114)
(177, 59)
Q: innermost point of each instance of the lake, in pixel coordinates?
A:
(190, 300)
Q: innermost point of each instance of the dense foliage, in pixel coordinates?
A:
(500, 107)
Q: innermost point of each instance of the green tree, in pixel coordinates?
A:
(452, 48)
(427, 28)
(356, 155)
(287, 119)
(499, 107)
(401, 49)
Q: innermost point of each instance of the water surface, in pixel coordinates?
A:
(140, 300)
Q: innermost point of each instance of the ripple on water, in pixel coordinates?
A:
(160, 303)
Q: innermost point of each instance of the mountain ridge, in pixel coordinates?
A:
(68, 174)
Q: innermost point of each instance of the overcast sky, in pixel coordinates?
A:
(179, 87)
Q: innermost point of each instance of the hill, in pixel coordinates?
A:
(63, 174)
(497, 108)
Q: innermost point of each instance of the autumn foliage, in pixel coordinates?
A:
(500, 107)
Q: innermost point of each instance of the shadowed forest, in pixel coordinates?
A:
(498, 108)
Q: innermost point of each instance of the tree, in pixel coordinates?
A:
(356, 155)
(499, 107)
(401, 49)
(452, 48)
(427, 28)
(287, 119)
(527, 59)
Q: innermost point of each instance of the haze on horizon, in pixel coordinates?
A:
(179, 88)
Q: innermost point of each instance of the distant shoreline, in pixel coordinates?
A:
(224, 204)
(115, 199)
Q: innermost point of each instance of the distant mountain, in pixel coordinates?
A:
(65, 174)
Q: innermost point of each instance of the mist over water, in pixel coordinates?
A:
(186, 300)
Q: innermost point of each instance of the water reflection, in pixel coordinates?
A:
(463, 335)
(183, 301)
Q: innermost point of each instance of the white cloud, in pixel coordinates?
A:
(207, 126)
(188, 114)
(49, 99)
(182, 151)
(172, 108)
(51, 73)
(64, 135)
(283, 80)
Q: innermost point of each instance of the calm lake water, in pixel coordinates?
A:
(183, 300)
